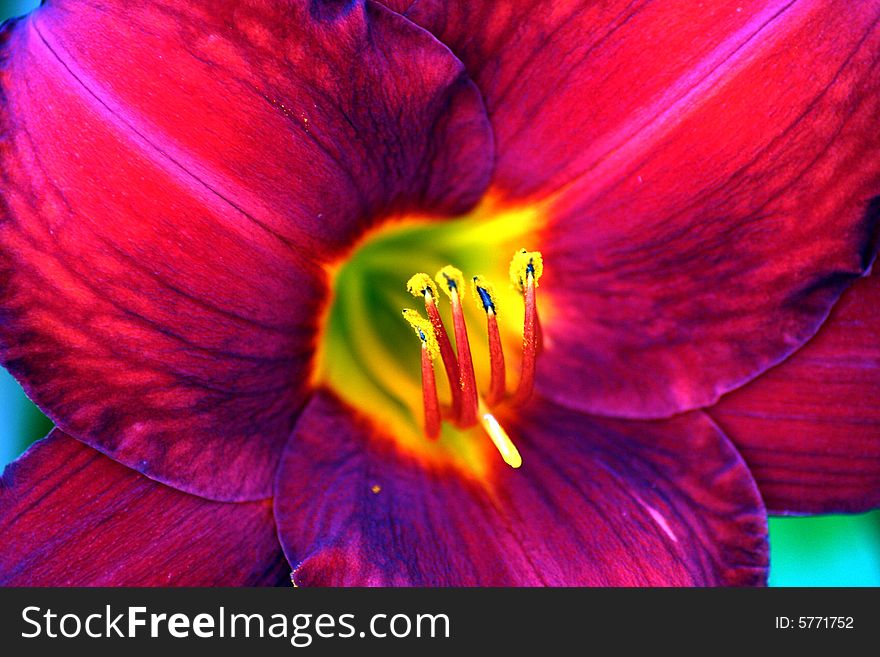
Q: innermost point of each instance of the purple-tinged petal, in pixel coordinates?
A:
(174, 177)
(596, 502)
(810, 428)
(705, 173)
(70, 516)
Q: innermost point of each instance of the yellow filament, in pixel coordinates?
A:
(520, 264)
(424, 330)
(449, 278)
(500, 439)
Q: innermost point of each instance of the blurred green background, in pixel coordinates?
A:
(819, 551)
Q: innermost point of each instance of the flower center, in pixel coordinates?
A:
(445, 396)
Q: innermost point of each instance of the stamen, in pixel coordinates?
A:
(485, 295)
(451, 281)
(526, 268)
(421, 285)
(425, 332)
(499, 437)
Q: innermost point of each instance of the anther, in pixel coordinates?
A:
(421, 285)
(451, 281)
(425, 332)
(526, 268)
(485, 296)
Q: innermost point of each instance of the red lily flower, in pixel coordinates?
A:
(203, 207)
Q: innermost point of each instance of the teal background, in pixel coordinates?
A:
(817, 551)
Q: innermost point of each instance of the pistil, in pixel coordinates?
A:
(509, 453)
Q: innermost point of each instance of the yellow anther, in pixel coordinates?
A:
(423, 330)
(419, 283)
(523, 264)
(484, 293)
(450, 280)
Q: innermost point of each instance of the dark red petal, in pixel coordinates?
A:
(597, 501)
(810, 428)
(174, 175)
(709, 169)
(70, 516)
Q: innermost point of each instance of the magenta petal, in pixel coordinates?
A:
(572, 87)
(70, 516)
(597, 502)
(714, 244)
(810, 428)
(174, 176)
(709, 170)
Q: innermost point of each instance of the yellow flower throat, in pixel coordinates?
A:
(443, 397)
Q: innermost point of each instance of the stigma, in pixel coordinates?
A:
(468, 406)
